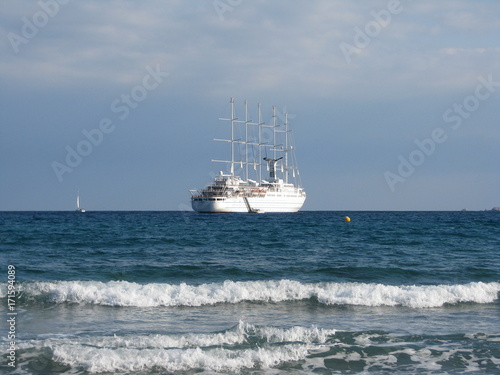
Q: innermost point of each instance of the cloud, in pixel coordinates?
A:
(260, 46)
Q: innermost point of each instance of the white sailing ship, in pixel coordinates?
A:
(255, 146)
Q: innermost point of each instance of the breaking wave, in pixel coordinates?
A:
(244, 346)
(123, 293)
(247, 348)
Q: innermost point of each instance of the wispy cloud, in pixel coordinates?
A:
(261, 45)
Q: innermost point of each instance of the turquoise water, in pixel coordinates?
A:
(181, 292)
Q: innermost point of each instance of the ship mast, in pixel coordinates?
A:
(246, 140)
(286, 148)
(256, 142)
(232, 135)
(260, 123)
(274, 132)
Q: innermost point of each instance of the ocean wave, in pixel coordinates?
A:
(241, 334)
(123, 293)
(245, 346)
(217, 359)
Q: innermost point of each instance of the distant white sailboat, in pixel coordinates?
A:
(78, 209)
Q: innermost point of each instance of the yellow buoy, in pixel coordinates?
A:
(347, 219)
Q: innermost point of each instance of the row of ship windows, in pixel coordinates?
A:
(209, 199)
(221, 199)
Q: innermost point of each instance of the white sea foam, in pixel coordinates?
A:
(249, 347)
(3, 290)
(215, 359)
(123, 293)
(413, 359)
(238, 335)
(225, 351)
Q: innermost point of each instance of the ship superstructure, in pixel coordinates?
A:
(262, 174)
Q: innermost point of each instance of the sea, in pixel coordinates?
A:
(302, 293)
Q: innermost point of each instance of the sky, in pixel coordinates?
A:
(394, 104)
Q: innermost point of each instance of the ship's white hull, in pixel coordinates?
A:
(257, 204)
